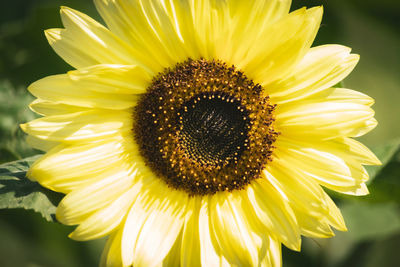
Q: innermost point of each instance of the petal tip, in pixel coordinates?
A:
(316, 12)
(24, 127)
(64, 10)
(61, 213)
(72, 236)
(378, 162)
(52, 35)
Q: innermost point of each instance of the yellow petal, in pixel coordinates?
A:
(190, 249)
(322, 67)
(153, 224)
(49, 108)
(107, 219)
(85, 125)
(302, 194)
(40, 144)
(323, 120)
(111, 256)
(366, 127)
(158, 30)
(66, 168)
(66, 47)
(326, 168)
(312, 226)
(335, 217)
(94, 87)
(112, 79)
(231, 230)
(343, 95)
(173, 257)
(282, 46)
(274, 212)
(305, 196)
(348, 149)
(105, 47)
(246, 18)
(78, 205)
(360, 152)
(211, 254)
(274, 255)
(210, 23)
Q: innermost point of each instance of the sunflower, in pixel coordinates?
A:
(199, 133)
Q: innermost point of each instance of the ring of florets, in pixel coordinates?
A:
(204, 127)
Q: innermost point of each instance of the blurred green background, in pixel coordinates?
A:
(370, 27)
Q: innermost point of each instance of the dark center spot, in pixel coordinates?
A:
(213, 129)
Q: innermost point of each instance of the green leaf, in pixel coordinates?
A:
(14, 110)
(386, 153)
(7, 155)
(385, 179)
(367, 221)
(17, 191)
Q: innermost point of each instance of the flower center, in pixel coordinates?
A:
(204, 127)
(213, 128)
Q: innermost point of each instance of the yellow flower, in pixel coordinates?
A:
(199, 132)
